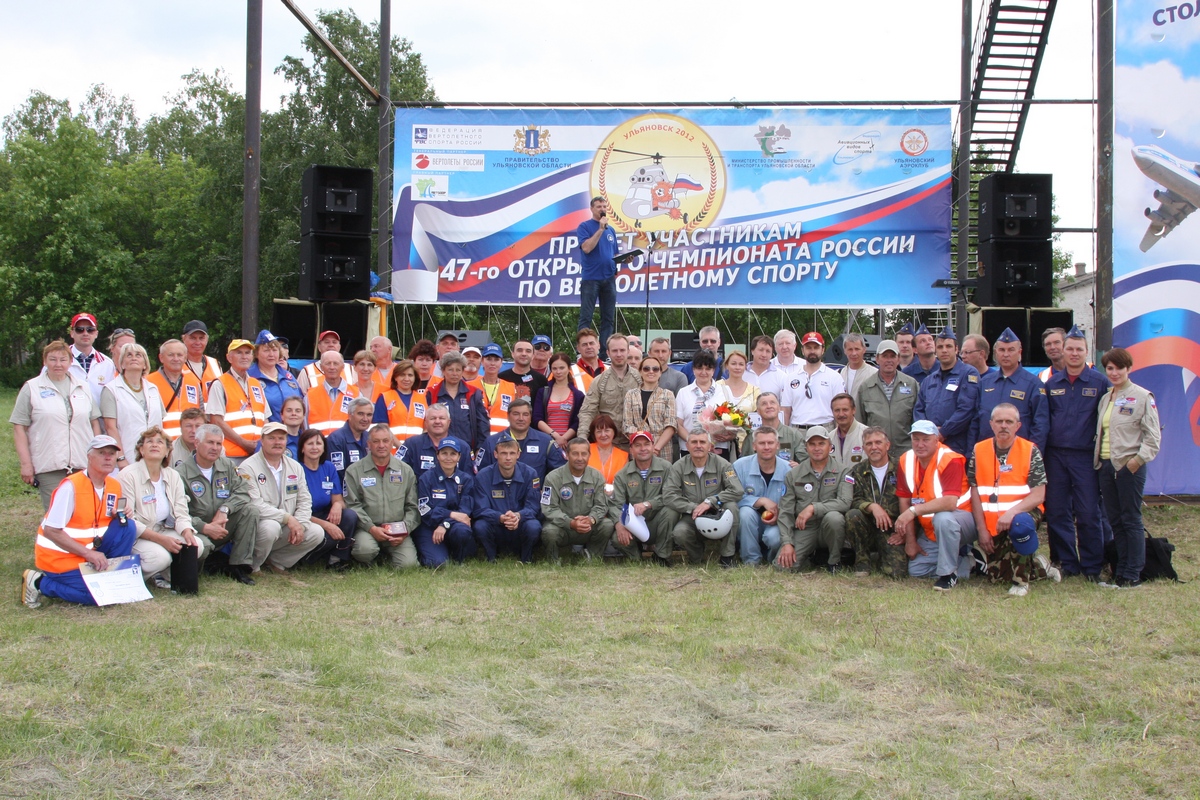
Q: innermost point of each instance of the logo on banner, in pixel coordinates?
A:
(914, 142)
(659, 172)
(531, 140)
(769, 138)
(420, 135)
(855, 148)
(431, 187)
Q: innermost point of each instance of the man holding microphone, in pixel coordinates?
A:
(598, 244)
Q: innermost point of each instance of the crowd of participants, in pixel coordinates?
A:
(931, 462)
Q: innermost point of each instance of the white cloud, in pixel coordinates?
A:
(1158, 96)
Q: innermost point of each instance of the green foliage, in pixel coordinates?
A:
(140, 223)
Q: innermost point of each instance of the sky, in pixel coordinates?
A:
(619, 51)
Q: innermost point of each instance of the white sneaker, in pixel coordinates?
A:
(31, 596)
(1018, 590)
(1052, 572)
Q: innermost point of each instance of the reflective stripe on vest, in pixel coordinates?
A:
(497, 410)
(405, 421)
(313, 371)
(932, 488)
(183, 401)
(323, 414)
(582, 380)
(1008, 487)
(89, 519)
(250, 416)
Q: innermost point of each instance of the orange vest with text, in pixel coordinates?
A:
(212, 371)
(323, 413)
(191, 395)
(1009, 487)
(89, 520)
(405, 421)
(506, 392)
(246, 415)
(930, 486)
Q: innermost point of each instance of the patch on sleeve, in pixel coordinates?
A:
(547, 494)
(849, 478)
(972, 379)
(423, 505)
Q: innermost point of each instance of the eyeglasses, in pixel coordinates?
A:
(541, 347)
(651, 369)
(84, 329)
(969, 352)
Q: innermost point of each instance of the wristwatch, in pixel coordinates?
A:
(223, 510)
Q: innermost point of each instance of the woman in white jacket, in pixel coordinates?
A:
(155, 501)
(130, 404)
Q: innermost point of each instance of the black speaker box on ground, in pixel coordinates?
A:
(296, 322)
(1015, 205)
(350, 320)
(1039, 320)
(1015, 272)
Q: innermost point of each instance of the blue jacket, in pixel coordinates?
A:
(538, 450)
(950, 400)
(491, 496)
(469, 420)
(751, 477)
(914, 370)
(420, 454)
(276, 391)
(345, 450)
(438, 495)
(1023, 390)
(1074, 408)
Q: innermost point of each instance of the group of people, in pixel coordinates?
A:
(919, 465)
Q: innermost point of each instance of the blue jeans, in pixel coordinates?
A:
(606, 292)
(1122, 491)
(118, 541)
(754, 536)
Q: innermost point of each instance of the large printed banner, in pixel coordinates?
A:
(1156, 243)
(731, 207)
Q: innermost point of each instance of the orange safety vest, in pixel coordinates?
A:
(212, 371)
(1009, 486)
(930, 488)
(313, 371)
(89, 520)
(250, 415)
(583, 381)
(616, 460)
(405, 421)
(506, 392)
(191, 395)
(323, 413)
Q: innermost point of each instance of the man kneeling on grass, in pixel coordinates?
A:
(575, 505)
(382, 490)
(85, 523)
(699, 483)
(504, 503)
(1008, 485)
(813, 508)
(871, 521)
(638, 495)
(935, 525)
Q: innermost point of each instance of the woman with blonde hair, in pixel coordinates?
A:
(130, 404)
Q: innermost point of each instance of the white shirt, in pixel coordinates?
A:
(823, 384)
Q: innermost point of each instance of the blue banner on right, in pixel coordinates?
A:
(1156, 234)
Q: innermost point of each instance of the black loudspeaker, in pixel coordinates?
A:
(467, 338)
(993, 321)
(837, 355)
(1015, 205)
(335, 220)
(337, 200)
(1015, 272)
(296, 322)
(350, 320)
(1039, 320)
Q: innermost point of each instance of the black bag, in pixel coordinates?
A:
(1158, 559)
(185, 570)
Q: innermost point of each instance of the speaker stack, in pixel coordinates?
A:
(335, 227)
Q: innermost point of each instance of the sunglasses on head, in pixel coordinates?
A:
(84, 329)
(122, 332)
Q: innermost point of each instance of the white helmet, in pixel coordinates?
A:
(635, 523)
(714, 526)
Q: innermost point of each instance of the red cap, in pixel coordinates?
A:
(641, 435)
(334, 334)
(84, 316)
(813, 336)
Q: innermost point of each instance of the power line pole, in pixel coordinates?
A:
(383, 241)
(251, 167)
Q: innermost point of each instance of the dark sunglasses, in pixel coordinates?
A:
(651, 369)
(541, 347)
(82, 329)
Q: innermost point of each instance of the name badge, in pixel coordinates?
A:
(905, 390)
(1057, 392)
(1090, 392)
(368, 482)
(149, 499)
(338, 459)
(426, 462)
(497, 494)
(418, 410)
(355, 456)
(1006, 468)
(829, 480)
(346, 403)
(192, 395)
(222, 494)
(1126, 410)
(654, 479)
(505, 399)
(532, 448)
(1016, 394)
(327, 485)
(951, 387)
(48, 393)
(711, 482)
(439, 494)
(257, 392)
(292, 488)
(395, 477)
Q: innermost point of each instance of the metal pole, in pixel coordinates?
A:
(1104, 174)
(251, 167)
(963, 171)
(333, 51)
(383, 239)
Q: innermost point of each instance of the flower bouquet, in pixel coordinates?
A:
(725, 418)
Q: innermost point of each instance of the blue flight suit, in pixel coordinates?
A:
(345, 450)
(492, 496)
(437, 496)
(1072, 484)
(917, 373)
(420, 454)
(537, 450)
(1022, 389)
(949, 398)
(469, 420)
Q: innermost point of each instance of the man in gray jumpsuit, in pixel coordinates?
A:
(574, 505)
(219, 502)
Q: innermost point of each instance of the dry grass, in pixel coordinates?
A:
(603, 682)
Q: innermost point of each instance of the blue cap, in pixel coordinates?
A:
(1075, 333)
(922, 331)
(492, 349)
(505, 436)
(1007, 336)
(947, 333)
(265, 336)
(908, 328)
(542, 338)
(451, 443)
(1023, 534)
